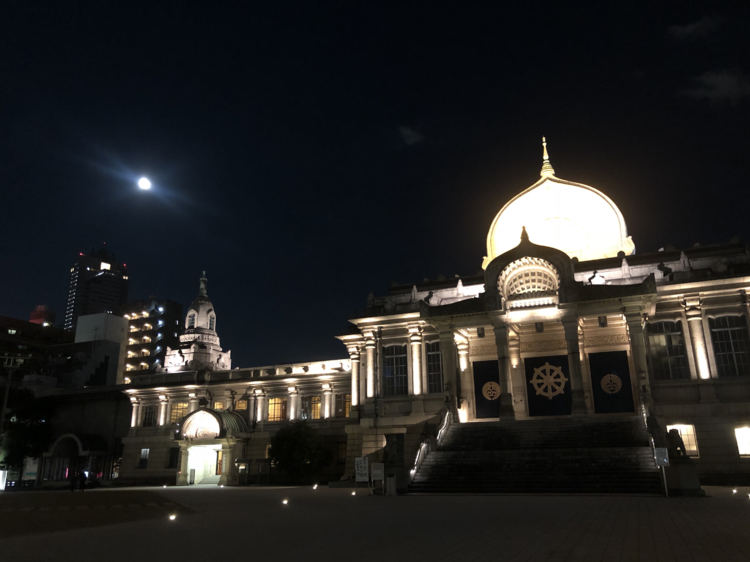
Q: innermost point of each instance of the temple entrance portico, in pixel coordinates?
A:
(204, 464)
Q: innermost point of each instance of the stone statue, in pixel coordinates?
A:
(675, 445)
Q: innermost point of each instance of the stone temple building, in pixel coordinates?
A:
(559, 368)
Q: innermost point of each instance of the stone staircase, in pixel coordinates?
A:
(572, 455)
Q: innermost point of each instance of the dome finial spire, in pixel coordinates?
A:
(202, 291)
(547, 169)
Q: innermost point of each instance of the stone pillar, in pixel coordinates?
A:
(251, 405)
(135, 416)
(504, 366)
(354, 356)
(450, 370)
(326, 403)
(370, 346)
(638, 353)
(697, 337)
(574, 363)
(294, 405)
(259, 400)
(182, 477)
(517, 377)
(192, 403)
(415, 338)
(227, 462)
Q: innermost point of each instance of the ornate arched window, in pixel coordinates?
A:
(191, 320)
(529, 282)
(212, 322)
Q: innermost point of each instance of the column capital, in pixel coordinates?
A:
(415, 333)
(354, 350)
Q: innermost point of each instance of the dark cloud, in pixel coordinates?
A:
(721, 86)
(410, 136)
(697, 30)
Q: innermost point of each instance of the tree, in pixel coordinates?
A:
(298, 450)
(27, 430)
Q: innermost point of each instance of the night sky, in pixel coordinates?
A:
(304, 154)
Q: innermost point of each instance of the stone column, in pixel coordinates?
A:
(638, 353)
(370, 346)
(135, 416)
(697, 337)
(354, 356)
(294, 412)
(168, 413)
(450, 368)
(574, 363)
(227, 462)
(259, 400)
(504, 366)
(251, 406)
(517, 377)
(326, 402)
(192, 403)
(415, 338)
(182, 477)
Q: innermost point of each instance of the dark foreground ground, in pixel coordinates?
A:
(253, 524)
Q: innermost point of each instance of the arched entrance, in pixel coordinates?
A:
(72, 453)
(208, 439)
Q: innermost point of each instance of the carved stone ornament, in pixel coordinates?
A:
(618, 339)
(548, 381)
(611, 384)
(483, 350)
(544, 345)
(491, 390)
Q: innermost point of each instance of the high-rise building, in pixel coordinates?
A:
(97, 284)
(153, 327)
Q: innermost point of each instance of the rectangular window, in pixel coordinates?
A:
(687, 432)
(218, 405)
(343, 405)
(179, 411)
(277, 409)
(174, 457)
(310, 408)
(731, 345)
(395, 371)
(143, 461)
(666, 351)
(743, 440)
(241, 405)
(149, 416)
(434, 368)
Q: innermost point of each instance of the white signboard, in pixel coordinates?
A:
(378, 471)
(361, 469)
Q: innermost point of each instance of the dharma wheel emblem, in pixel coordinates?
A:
(548, 381)
(491, 391)
(611, 384)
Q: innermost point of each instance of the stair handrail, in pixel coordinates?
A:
(431, 443)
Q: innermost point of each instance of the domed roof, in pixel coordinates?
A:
(572, 217)
(201, 314)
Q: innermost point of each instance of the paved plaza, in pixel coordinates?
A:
(324, 524)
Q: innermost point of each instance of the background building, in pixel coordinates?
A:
(153, 326)
(97, 284)
(43, 315)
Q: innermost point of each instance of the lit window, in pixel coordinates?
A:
(143, 366)
(143, 462)
(191, 321)
(277, 409)
(146, 339)
(179, 411)
(132, 354)
(395, 372)
(11, 331)
(666, 351)
(730, 338)
(218, 405)
(125, 277)
(687, 432)
(434, 368)
(310, 408)
(145, 353)
(743, 440)
(129, 367)
(105, 266)
(241, 405)
(343, 405)
(127, 380)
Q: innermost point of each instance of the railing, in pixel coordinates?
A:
(431, 443)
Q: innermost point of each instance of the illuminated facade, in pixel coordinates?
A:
(153, 327)
(556, 369)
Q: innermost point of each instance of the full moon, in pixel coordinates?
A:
(144, 183)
